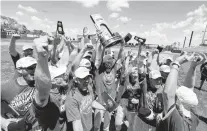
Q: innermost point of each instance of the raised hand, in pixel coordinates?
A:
(16, 36)
(183, 58)
(41, 45)
(200, 58)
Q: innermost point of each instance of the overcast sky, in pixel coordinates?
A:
(160, 22)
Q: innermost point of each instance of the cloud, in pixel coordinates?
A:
(201, 11)
(19, 13)
(124, 19)
(196, 20)
(198, 37)
(114, 15)
(88, 3)
(36, 19)
(117, 26)
(76, 31)
(133, 33)
(116, 5)
(154, 35)
(48, 21)
(141, 25)
(28, 9)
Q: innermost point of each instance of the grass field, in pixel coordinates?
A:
(7, 70)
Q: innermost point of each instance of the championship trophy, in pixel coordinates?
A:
(106, 40)
(60, 28)
(140, 40)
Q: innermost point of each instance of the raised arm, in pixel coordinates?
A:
(12, 45)
(42, 75)
(171, 82)
(191, 74)
(154, 65)
(65, 55)
(99, 55)
(54, 57)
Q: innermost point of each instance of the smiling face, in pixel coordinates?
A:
(83, 84)
(28, 52)
(156, 83)
(28, 74)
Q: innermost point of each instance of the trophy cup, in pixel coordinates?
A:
(60, 28)
(140, 40)
(106, 40)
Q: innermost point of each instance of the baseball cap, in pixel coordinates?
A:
(57, 71)
(143, 54)
(85, 63)
(187, 96)
(87, 53)
(81, 72)
(107, 58)
(169, 58)
(26, 47)
(154, 74)
(25, 62)
(134, 71)
(165, 68)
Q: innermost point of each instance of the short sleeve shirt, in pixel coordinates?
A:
(102, 84)
(49, 117)
(79, 107)
(19, 97)
(175, 122)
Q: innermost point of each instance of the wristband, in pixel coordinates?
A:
(176, 63)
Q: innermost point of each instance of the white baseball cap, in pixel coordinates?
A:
(81, 72)
(165, 68)
(134, 71)
(25, 62)
(154, 74)
(143, 54)
(169, 58)
(85, 63)
(87, 53)
(26, 47)
(187, 96)
(56, 71)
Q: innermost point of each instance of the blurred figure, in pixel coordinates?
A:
(169, 60)
(27, 50)
(18, 93)
(164, 70)
(203, 70)
(179, 102)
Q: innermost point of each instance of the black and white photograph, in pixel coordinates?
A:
(103, 65)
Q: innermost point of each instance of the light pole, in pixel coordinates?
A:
(204, 33)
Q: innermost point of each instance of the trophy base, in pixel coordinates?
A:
(112, 41)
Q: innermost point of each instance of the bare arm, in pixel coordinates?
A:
(70, 63)
(77, 59)
(191, 74)
(97, 105)
(99, 56)
(42, 75)
(171, 82)
(190, 77)
(12, 47)
(154, 65)
(77, 125)
(170, 88)
(53, 53)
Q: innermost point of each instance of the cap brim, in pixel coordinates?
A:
(82, 72)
